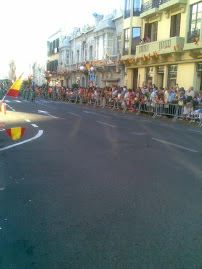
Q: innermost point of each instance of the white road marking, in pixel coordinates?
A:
(40, 132)
(73, 114)
(195, 131)
(169, 125)
(27, 120)
(18, 101)
(7, 101)
(146, 120)
(9, 106)
(46, 113)
(106, 124)
(41, 104)
(175, 145)
(88, 112)
(138, 133)
(35, 126)
(2, 130)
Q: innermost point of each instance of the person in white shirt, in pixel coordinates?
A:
(190, 92)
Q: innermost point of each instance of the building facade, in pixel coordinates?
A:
(12, 71)
(38, 72)
(162, 43)
(53, 45)
(89, 56)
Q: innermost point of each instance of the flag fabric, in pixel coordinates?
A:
(155, 54)
(196, 41)
(144, 57)
(15, 88)
(16, 133)
(176, 47)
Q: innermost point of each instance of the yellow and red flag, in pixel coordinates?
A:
(155, 54)
(16, 133)
(196, 41)
(144, 57)
(15, 88)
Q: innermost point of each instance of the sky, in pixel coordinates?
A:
(27, 24)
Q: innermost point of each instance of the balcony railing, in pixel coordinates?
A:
(192, 35)
(127, 14)
(163, 1)
(150, 4)
(136, 11)
(171, 4)
(171, 45)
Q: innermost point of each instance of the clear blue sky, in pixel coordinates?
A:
(26, 25)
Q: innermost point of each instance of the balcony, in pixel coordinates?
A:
(193, 40)
(149, 8)
(171, 45)
(170, 4)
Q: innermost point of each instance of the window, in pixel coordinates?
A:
(135, 39)
(86, 52)
(127, 9)
(151, 30)
(136, 7)
(149, 75)
(126, 41)
(119, 44)
(195, 22)
(72, 57)
(110, 44)
(172, 75)
(77, 56)
(175, 25)
(57, 43)
(67, 56)
(91, 53)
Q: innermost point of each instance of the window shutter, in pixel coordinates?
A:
(172, 26)
(155, 31)
(178, 21)
(146, 30)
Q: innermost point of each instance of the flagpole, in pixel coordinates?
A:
(11, 87)
(5, 95)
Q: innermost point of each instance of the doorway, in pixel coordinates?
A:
(135, 79)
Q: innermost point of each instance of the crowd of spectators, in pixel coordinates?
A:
(189, 99)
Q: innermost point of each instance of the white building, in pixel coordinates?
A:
(38, 72)
(97, 46)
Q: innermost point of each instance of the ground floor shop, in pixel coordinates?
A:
(101, 77)
(166, 75)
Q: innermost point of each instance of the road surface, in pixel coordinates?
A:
(96, 189)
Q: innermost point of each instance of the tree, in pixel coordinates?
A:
(25, 83)
(75, 86)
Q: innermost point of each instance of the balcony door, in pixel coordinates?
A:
(151, 30)
(175, 25)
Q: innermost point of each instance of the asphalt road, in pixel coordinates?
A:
(96, 189)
